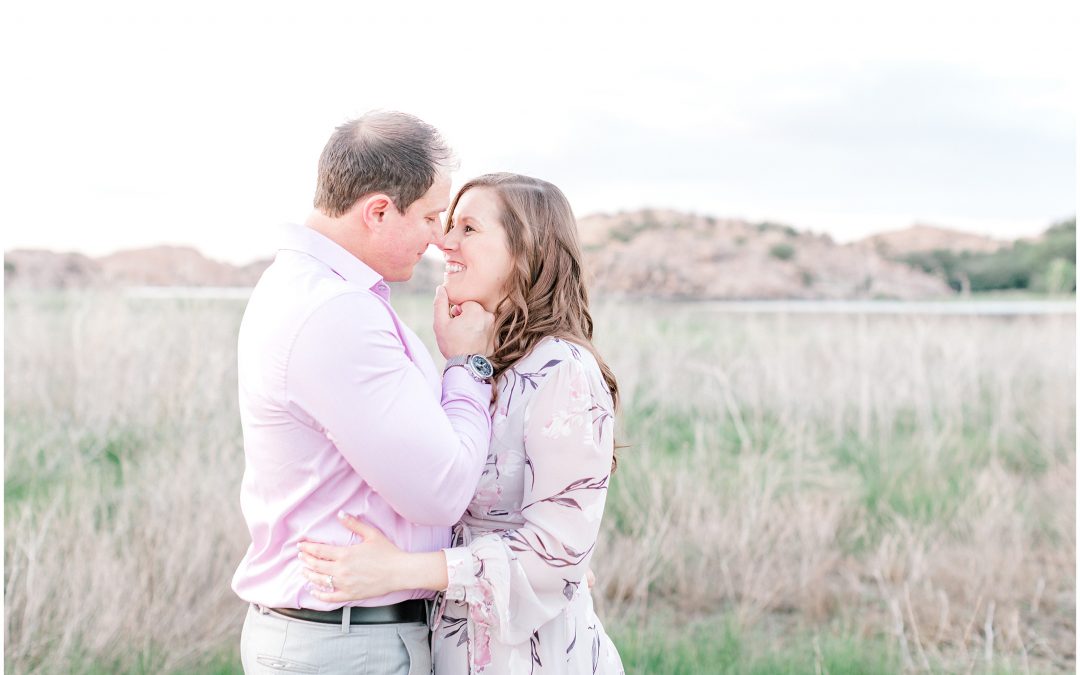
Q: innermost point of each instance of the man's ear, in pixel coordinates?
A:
(374, 209)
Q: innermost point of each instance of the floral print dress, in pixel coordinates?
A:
(517, 600)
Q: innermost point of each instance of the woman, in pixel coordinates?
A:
(514, 600)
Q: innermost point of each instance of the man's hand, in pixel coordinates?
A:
(468, 330)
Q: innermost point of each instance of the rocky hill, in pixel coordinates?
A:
(653, 253)
(678, 255)
(157, 266)
(922, 238)
(45, 269)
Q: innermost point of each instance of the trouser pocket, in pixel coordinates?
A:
(416, 638)
(263, 647)
(279, 664)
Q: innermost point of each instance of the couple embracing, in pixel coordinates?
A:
(406, 518)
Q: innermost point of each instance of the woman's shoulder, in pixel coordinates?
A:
(553, 354)
(550, 359)
(553, 351)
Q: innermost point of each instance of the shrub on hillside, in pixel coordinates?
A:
(1047, 264)
(782, 251)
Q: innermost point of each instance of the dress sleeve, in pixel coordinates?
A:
(516, 581)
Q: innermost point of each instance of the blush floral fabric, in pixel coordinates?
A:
(517, 600)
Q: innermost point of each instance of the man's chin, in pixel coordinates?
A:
(400, 275)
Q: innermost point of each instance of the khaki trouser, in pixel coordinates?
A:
(272, 643)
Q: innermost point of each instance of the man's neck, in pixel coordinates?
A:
(340, 231)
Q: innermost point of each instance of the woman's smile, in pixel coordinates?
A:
(475, 245)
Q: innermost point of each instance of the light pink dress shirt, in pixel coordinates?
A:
(340, 409)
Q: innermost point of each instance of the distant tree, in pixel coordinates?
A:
(1059, 277)
(1006, 269)
(1047, 264)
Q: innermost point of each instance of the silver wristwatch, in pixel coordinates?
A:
(476, 365)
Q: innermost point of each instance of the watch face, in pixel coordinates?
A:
(482, 366)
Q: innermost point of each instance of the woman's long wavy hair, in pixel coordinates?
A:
(545, 293)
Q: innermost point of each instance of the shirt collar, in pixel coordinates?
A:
(347, 266)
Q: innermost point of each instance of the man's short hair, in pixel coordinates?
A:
(389, 152)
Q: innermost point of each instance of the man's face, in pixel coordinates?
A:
(409, 234)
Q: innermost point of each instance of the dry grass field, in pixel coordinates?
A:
(799, 494)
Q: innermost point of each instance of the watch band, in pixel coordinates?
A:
(455, 361)
(476, 365)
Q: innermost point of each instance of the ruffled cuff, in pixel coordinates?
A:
(459, 571)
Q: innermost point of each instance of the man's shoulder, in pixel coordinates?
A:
(295, 293)
(307, 280)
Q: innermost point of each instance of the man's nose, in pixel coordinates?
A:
(447, 241)
(436, 234)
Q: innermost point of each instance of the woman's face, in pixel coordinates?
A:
(478, 259)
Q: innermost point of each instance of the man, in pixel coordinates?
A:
(342, 408)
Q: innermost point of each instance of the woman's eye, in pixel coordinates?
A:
(469, 228)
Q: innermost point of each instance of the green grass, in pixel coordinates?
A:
(669, 433)
(896, 481)
(713, 645)
(58, 459)
(898, 478)
(759, 482)
(150, 663)
(719, 646)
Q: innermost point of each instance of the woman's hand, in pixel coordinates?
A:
(363, 570)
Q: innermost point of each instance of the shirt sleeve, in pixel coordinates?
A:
(517, 581)
(349, 371)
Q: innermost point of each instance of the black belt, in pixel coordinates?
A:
(409, 611)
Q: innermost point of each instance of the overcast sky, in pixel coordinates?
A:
(200, 123)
